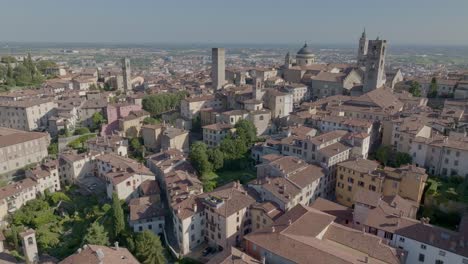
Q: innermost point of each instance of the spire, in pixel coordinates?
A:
(364, 33)
(305, 44)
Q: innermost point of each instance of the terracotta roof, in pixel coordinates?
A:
(16, 187)
(10, 137)
(150, 187)
(360, 165)
(219, 126)
(93, 254)
(234, 198)
(145, 207)
(297, 237)
(233, 256)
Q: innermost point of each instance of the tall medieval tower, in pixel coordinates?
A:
(287, 61)
(218, 68)
(374, 76)
(362, 52)
(258, 91)
(127, 74)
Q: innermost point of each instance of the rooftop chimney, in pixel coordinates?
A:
(273, 229)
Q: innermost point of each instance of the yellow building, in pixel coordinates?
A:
(407, 181)
(131, 124)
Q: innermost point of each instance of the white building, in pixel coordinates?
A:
(147, 213)
(26, 115)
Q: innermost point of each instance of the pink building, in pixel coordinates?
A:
(114, 112)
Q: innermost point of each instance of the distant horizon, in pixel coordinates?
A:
(220, 44)
(340, 22)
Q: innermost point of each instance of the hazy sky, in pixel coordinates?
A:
(234, 21)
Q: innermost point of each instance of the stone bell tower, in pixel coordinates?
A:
(362, 51)
(127, 74)
(374, 76)
(30, 252)
(287, 61)
(258, 86)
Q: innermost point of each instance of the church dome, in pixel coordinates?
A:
(305, 50)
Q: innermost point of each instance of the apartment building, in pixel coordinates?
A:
(190, 107)
(47, 177)
(423, 242)
(19, 148)
(147, 213)
(405, 130)
(74, 167)
(215, 133)
(27, 115)
(14, 196)
(109, 144)
(227, 215)
(174, 138)
(327, 149)
(166, 161)
(264, 214)
(122, 175)
(307, 235)
(151, 135)
(188, 217)
(299, 91)
(42, 178)
(131, 124)
(407, 181)
(288, 180)
(441, 155)
(89, 108)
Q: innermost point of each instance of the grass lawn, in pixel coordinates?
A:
(244, 176)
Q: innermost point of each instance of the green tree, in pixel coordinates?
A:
(137, 149)
(199, 158)
(216, 157)
(3, 72)
(402, 158)
(432, 88)
(96, 235)
(159, 103)
(383, 154)
(118, 215)
(43, 65)
(246, 131)
(53, 149)
(98, 120)
(415, 89)
(233, 148)
(14, 237)
(208, 180)
(149, 249)
(22, 75)
(56, 197)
